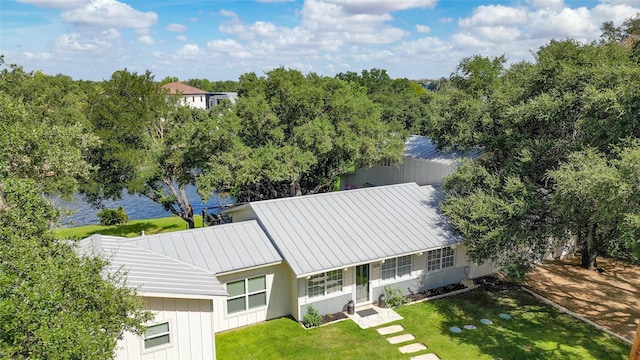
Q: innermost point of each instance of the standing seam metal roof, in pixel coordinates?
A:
(151, 272)
(421, 147)
(316, 233)
(219, 249)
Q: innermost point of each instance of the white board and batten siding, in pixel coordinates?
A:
(278, 284)
(190, 331)
(411, 170)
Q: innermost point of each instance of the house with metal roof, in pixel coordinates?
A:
(280, 256)
(422, 163)
(180, 295)
(349, 245)
(197, 98)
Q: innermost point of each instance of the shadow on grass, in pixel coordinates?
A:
(536, 331)
(131, 229)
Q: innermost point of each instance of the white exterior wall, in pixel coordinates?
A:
(348, 288)
(418, 280)
(419, 171)
(244, 214)
(278, 279)
(190, 326)
(195, 101)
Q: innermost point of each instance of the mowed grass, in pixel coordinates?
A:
(285, 339)
(130, 229)
(536, 331)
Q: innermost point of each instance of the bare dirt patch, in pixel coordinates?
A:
(610, 298)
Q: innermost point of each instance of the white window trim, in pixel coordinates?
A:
(246, 296)
(324, 294)
(440, 258)
(172, 336)
(395, 271)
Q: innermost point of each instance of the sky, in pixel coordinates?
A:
(222, 39)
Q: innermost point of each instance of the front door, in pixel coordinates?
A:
(362, 283)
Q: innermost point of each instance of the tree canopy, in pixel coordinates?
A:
(297, 134)
(402, 102)
(151, 145)
(543, 125)
(54, 303)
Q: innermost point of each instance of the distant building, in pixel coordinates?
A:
(422, 163)
(197, 98)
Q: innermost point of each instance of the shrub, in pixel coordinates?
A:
(394, 297)
(113, 216)
(312, 317)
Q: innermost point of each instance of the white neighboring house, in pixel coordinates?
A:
(280, 256)
(422, 163)
(197, 98)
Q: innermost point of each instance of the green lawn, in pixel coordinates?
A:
(537, 331)
(130, 229)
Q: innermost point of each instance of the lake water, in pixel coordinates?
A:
(137, 207)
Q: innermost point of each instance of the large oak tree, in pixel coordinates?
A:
(54, 303)
(533, 120)
(150, 144)
(297, 134)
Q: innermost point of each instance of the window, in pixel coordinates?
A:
(157, 335)
(396, 268)
(246, 294)
(440, 259)
(324, 284)
(448, 255)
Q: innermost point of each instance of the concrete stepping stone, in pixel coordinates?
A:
(430, 356)
(411, 348)
(401, 338)
(390, 329)
(504, 316)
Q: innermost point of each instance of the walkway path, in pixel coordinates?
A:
(370, 316)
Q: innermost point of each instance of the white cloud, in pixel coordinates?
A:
(380, 6)
(446, 20)
(189, 51)
(146, 39)
(492, 15)
(614, 12)
(623, 2)
(176, 27)
(469, 41)
(99, 42)
(568, 23)
(182, 38)
(423, 29)
(76, 43)
(427, 45)
(228, 13)
(109, 13)
(546, 4)
(57, 4)
(40, 56)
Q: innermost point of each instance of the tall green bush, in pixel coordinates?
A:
(394, 297)
(113, 216)
(312, 318)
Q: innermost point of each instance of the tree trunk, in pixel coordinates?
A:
(589, 254)
(585, 256)
(191, 224)
(295, 188)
